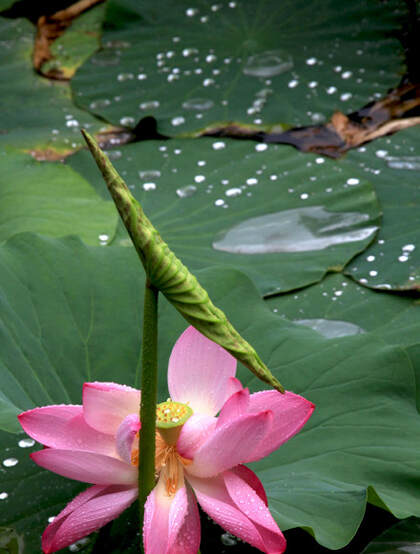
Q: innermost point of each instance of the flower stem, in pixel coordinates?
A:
(148, 397)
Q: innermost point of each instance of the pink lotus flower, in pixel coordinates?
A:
(200, 459)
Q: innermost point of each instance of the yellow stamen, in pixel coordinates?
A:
(171, 416)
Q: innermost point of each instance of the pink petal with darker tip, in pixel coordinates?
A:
(250, 477)
(89, 511)
(230, 444)
(213, 497)
(171, 523)
(64, 427)
(290, 413)
(88, 467)
(105, 405)
(234, 407)
(199, 371)
(248, 501)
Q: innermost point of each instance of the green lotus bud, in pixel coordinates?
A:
(167, 273)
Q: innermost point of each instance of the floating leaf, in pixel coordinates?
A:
(282, 217)
(59, 328)
(46, 121)
(393, 261)
(51, 199)
(252, 62)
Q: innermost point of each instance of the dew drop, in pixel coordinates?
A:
(208, 82)
(101, 103)
(125, 76)
(198, 104)
(10, 462)
(408, 247)
(199, 178)
(252, 181)
(27, 443)
(313, 84)
(352, 181)
(345, 96)
(191, 12)
(311, 61)
(149, 105)
(189, 52)
(268, 64)
(185, 192)
(370, 258)
(179, 120)
(72, 123)
(219, 202)
(127, 120)
(149, 186)
(218, 145)
(3, 495)
(261, 147)
(346, 74)
(317, 117)
(331, 90)
(293, 83)
(235, 191)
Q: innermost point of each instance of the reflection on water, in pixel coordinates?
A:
(330, 328)
(297, 230)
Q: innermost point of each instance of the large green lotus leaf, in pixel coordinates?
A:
(71, 313)
(392, 164)
(190, 64)
(339, 307)
(37, 115)
(76, 44)
(283, 217)
(51, 199)
(401, 538)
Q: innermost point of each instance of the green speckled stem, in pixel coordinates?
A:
(149, 379)
(167, 273)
